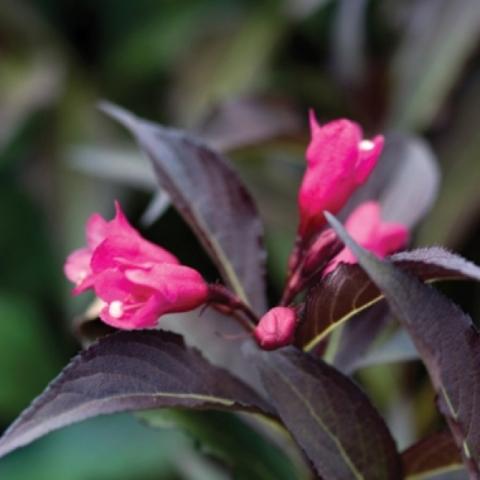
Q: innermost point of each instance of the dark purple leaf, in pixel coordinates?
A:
(331, 419)
(212, 200)
(431, 456)
(130, 371)
(446, 339)
(348, 290)
(358, 336)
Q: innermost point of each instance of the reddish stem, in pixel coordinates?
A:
(229, 303)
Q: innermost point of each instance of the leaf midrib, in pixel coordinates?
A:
(312, 412)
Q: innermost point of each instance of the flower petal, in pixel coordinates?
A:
(338, 161)
(96, 230)
(181, 287)
(368, 158)
(77, 269)
(128, 250)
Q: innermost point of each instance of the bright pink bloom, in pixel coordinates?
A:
(338, 161)
(115, 242)
(366, 227)
(276, 328)
(137, 297)
(138, 280)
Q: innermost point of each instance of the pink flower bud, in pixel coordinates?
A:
(338, 161)
(322, 250)
(276, 328)
(137, 280)
(366, 227)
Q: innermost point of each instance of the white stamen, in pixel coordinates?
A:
(366, 145)
(115, 309)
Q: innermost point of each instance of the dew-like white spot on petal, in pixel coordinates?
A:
(366, 145)
(115, 309)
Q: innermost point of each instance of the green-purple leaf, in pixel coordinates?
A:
(348, 289)
(211, 198)
(331, 419)
(130, 371)
(446, 339)
(432, 456)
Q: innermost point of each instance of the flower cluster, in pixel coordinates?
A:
(139, 281)
(339, 160)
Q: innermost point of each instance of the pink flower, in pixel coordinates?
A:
(366, 227)
(338, 161)
(137, 297)
(276, 328)
(137, 280)
(116, 240)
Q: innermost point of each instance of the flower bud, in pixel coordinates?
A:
(338, 161)
(276, 328)
(322, 250)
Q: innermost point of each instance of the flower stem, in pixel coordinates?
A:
(231, 304)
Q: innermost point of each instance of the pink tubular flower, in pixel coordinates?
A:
(138, 280)
(116, 239)
(276, 328)
(338, 161)
(366, 227)
(136, 298)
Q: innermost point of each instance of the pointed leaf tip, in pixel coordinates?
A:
(122, 116)
(198, 179)
(130, 371)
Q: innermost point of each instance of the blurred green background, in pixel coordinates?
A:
(412, 66)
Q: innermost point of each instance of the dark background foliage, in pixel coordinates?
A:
(411, 66)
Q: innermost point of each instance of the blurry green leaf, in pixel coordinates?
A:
(27, 362)
(230, 62)
(105, 448)
(155, 44)
(26, 87)
(245, 451)
(30, 265)
(438, 39)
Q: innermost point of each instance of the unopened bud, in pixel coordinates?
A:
(323, 249)
(276, 328)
